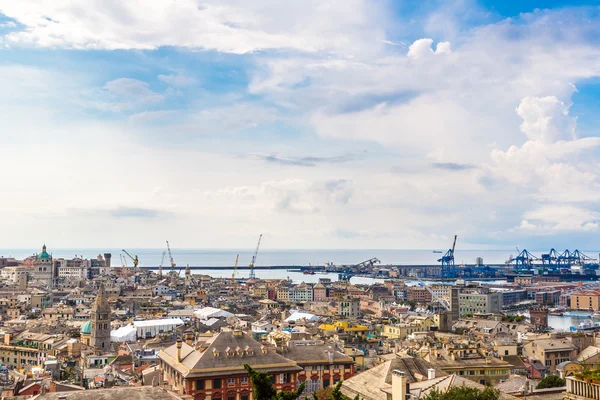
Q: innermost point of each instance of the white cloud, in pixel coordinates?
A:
(546, 119)
(479, 130)
(443, 48)
(232, 26)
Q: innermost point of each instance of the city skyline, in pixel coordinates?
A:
(360, 124)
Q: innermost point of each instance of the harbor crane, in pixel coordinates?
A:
(170, 255)
(348, 272)
(134, 259)
(435, 296)
(447, 260)
(235, 268)
(252, 274)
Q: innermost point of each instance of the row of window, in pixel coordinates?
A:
(482, 372)
(217, 383)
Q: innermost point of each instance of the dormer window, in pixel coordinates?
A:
(216, 353)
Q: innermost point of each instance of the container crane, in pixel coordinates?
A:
(447, 260)
(170, 255)
(252, 274)
(134, 259)
(235, 268)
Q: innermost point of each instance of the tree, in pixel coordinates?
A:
(263, 388)
(463, 393)
(551, 381)
(330, 393)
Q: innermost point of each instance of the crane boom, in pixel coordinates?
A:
(435, 296)
(252, 275)
(454, 244)
(235, 268)
(162, 261)
(134, 259)
(170, 255)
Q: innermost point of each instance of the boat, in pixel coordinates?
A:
(557, 313)
(588, 325)
(438, 251)
(309, 272)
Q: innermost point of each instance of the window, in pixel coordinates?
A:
(199, 385)
(284, 378)
(244, 397)
(230, 397)
(231, 381)
(216, 384)
(244, 379)
(325, 383)
(505, 352)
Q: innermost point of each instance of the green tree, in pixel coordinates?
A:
(463, 393)
(330, 393)
(551, 381)
(263, 388)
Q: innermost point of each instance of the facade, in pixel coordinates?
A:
(322, 364)
(403, 329)
(301, 293)
(12, 274)
(319, 292)
(586, 300)
(550, 352)
(215, 371)
(513, 297)
(479, 303)
(100, 322)
(418, 294)
(349, 308)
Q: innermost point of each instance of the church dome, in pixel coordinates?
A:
(44, 253)
(86, 328)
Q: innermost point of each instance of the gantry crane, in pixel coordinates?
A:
(252, 275)
(447, 260)
(235, 268)
(134, 259)
(170, 255)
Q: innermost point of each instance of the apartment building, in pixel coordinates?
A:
(586, 300)
(479, 302)
(216, 370)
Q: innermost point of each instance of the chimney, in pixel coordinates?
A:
(430, 373)
(399, 385)
(179, 344)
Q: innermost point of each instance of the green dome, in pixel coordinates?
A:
(44, 253)
(86, 328)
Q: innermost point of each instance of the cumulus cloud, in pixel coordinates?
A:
(422, 48)
(546, 119)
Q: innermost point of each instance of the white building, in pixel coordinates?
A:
(12, 274)
(301, 293)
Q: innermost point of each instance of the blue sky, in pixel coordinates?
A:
(321, 124)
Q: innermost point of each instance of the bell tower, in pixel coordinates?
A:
(100, 317)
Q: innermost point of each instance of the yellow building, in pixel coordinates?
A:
(586, 300)
(345, 326)
(403, 329)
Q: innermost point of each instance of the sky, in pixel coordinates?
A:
(345, 124)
